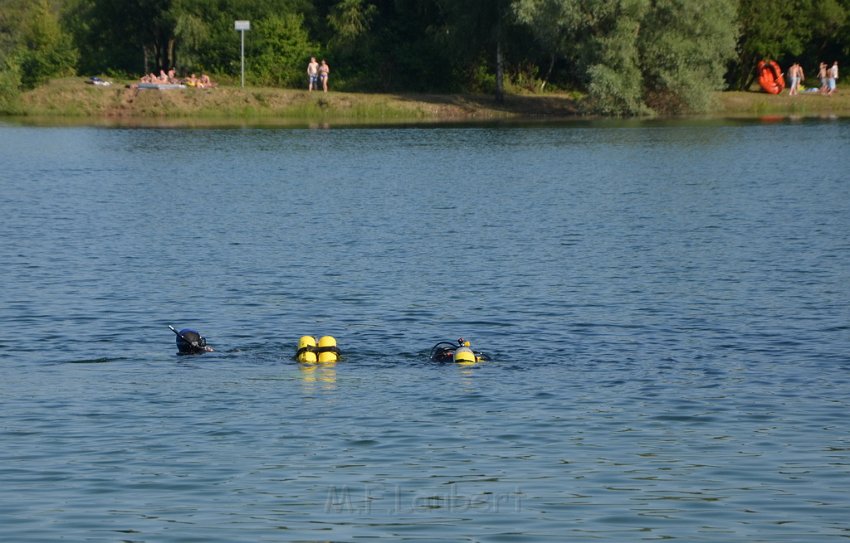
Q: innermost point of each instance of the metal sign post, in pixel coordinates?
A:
(242, 26)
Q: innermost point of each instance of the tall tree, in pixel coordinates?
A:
(355, 42)
(685, 46)
(555, 25)
(390, 45)
(12, 13)
(479, 27)
(351, 19)
(46, 51)
(634, 56)
(279, 48)
(131, 36)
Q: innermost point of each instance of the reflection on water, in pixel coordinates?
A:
(315, 376)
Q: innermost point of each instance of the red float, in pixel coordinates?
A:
(770, 77)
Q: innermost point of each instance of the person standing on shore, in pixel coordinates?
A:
(831, 78)
(822, 77)
(795, 73)
(313, 74)
(324, 73)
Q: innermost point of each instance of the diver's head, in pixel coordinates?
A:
(191, 342)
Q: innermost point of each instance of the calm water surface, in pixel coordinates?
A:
(667, 308)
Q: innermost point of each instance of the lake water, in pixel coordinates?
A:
(667, 307)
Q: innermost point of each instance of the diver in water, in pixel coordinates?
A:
(191, 342)
(447, 351)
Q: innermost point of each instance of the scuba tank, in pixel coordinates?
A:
(306, 352)
(328, 352)
(465, 355)
(310, 352)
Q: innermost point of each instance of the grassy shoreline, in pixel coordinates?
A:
(72, 100)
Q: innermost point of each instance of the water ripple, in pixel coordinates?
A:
(667, 327)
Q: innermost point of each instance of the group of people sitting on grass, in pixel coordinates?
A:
(170, 78)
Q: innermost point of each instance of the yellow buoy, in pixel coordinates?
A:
(327, 349)
(306, 350)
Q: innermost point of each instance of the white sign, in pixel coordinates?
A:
(242, 26)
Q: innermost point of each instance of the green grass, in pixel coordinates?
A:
(72, 98)
(756, 104)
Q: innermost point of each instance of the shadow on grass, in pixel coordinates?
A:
(482, 106)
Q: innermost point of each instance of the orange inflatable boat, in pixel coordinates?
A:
(770, 77)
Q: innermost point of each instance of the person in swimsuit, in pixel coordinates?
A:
(831, 78)
(324, 73)
(795, 73)
(313, 74)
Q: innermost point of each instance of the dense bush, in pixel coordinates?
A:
(636, 56)
(10, 86)
(36, 48)
(279, 47)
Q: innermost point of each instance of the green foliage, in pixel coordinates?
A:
(10, 85)
(350, 19)
(628, 56)
(46, 51)
(807, 30)
(129, 37)
(616, 78)
(478, 29)
(280, 49)
(553, 22)
(191, 32)
(600, 39)
(768, 30)
(685, 46)
(353, 45)
(635, 56)
(12, 14)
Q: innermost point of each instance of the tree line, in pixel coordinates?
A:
(625, 56)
